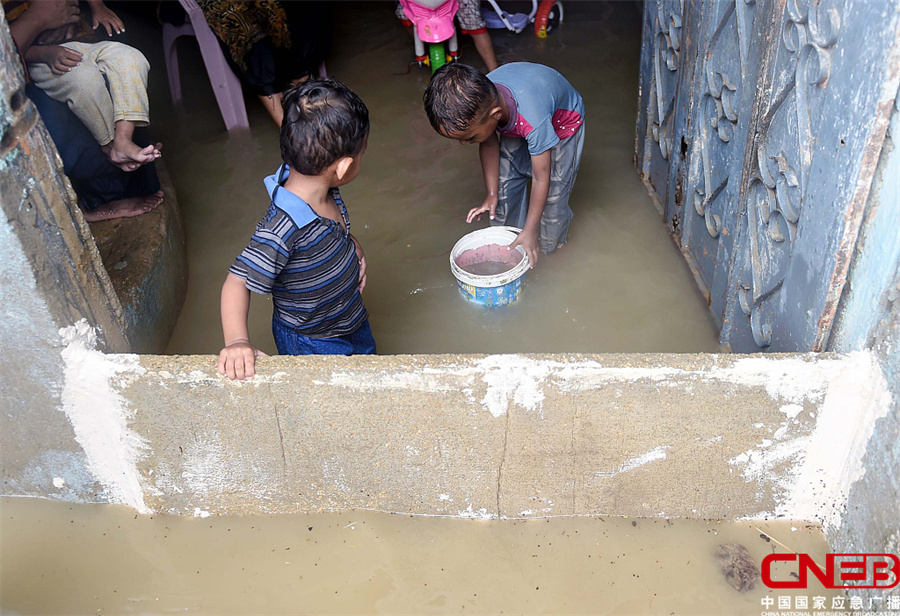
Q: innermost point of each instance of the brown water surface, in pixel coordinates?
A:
(619, 285)
(61, 558)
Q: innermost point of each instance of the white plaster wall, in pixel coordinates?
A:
(38, 453)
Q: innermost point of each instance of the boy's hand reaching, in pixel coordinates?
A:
(529, 241)
(489, 205)
(236, 360)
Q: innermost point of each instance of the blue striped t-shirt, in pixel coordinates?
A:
(306, 262)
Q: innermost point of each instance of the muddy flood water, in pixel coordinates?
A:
(60, 558)
(619, 285)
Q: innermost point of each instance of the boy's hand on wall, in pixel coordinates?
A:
(489, 205)
(237, 360)
(529, 241)
(102, 15)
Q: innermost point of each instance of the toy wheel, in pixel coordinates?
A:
(549, 15)
(436, 56)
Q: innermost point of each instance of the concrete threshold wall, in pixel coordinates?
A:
(509, 436)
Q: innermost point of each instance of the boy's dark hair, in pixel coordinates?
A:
(324, 121)
(458, 96)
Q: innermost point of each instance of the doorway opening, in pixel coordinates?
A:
(619, 285)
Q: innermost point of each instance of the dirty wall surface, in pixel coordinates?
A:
(479, 436)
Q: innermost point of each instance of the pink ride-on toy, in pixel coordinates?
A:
(433, 24)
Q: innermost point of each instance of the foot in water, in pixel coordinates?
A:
(125, 208)
(128, 156)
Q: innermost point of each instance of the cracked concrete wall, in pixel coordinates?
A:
(509, 436)
(37, 443)
(869, 317)
(50, 276)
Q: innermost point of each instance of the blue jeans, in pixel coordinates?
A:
(289, 342)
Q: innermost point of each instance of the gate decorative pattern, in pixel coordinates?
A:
(663, 37)
(724, 87)
(778, 117)
(783, 158)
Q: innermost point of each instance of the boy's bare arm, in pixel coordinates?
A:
(102, 15)
(540, 188)
(237, 359)
(489, 151)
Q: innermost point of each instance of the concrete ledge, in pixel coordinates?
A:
(505, 436)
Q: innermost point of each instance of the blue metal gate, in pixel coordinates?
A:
(760, 126)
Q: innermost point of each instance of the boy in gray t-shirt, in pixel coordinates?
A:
(529, 124)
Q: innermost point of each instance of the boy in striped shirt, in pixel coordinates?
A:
(302, 252)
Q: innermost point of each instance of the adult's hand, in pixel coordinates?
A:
(51, 14)
(46, 22)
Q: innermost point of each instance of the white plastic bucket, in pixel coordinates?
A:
(496, 289)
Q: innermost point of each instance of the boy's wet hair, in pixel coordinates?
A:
(458, 97)
(324, 121)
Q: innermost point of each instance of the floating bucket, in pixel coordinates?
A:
(486, 272)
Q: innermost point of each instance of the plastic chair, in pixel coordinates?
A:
(226, 85)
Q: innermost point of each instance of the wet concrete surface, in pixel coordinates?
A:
(619, 285)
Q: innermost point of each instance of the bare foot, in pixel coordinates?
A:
(128, 156)
(125, 208)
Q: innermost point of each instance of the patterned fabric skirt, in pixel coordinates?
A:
(270, 43)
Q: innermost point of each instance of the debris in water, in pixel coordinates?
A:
(737, 566)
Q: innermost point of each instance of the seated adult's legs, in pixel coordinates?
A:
(99, 185)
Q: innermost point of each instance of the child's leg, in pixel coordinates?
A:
(485, 48)
(565, 159)
(126, 70)
(272, 103)
(83, 89)
(472, 23)
(515, 171)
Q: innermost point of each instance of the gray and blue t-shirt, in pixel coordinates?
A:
(544, 108)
